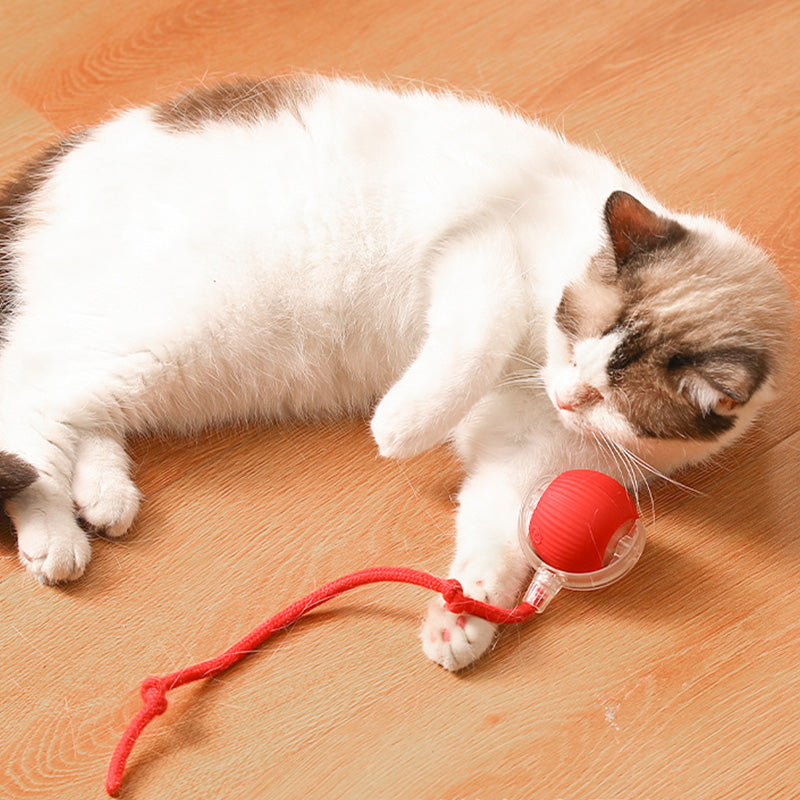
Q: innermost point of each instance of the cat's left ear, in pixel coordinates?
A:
(636, 230)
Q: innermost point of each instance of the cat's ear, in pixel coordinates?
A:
(636, 230)
(719, 380)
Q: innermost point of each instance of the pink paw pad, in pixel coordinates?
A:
(461, 621)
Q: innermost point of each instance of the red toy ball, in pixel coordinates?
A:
(579, 520)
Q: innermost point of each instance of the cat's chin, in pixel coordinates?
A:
(620, 445)
(609, 431)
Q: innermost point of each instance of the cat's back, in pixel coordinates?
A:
(301, 150)
(303, 201)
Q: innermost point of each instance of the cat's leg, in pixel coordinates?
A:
(102, 488)
(52, 546)
(475, 319)
(488, 562)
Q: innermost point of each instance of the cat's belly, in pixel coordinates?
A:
(322, 378)
(187, 361)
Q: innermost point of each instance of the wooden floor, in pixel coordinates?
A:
(680, 682)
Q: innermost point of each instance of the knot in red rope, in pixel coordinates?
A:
(455, 599)
(154, 693)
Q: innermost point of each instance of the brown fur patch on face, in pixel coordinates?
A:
(242, 101)
(649, 393)
(15, 474)
(15, 196)
(706, 316)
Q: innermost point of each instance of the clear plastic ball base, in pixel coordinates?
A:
(548, 581)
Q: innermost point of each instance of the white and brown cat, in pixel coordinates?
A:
(309, 246)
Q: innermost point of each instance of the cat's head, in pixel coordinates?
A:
(671, 340)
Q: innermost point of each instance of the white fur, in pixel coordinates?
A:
(406, 246)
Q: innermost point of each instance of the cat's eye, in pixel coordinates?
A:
(630, 349)
(622, 357)
(678, 362)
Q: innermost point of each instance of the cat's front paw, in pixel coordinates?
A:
(401, 431)
(391, 443)
(454, 640)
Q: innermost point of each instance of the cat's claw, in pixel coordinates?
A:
(454, 641)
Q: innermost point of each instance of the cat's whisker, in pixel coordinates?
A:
(623, 463)
(529, 378)
(627, 456)
(604, 445)
(607, 453)
(519, 382)
(527, 360)
(523, 378)
(658, 474)
(633, 479)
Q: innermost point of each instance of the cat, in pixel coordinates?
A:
(307, 246)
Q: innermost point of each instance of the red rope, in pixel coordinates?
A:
(154, 689)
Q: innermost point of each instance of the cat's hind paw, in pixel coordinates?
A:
(454, 641)
(107, 505)
(54, 554)
(102, 489)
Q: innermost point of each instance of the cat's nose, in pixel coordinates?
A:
(584, 396)
(564, 405)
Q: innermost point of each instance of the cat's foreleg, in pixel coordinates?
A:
(488, 563)
(476, 317)
(102, 488)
